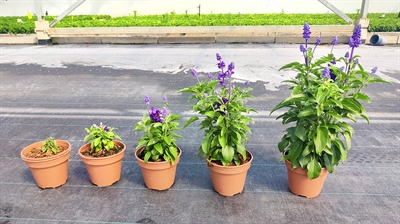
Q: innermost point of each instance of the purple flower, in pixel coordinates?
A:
(222, 83)
(374, 69)
(219, 58)
(165, 99)
(165, 112)
(247, 82)
(326, 73)
(221, 65)
(194, 73)
(318, 41)
(335, 41)
(355, 39)
(356, 61)
(346, 55)
(224, 100)
(306, 31)
(147, 99)
(209, 76)
(302, 48)
(106, 128)
(155, 115)
(334, 61)
(342, 69)
(231, 66)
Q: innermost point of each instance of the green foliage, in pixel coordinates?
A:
(100, 137)
(9, 24)
(224, 119)
(50, 144)
(388, 23)
(159, 140)
(320, 108)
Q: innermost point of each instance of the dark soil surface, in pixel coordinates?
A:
(104, 153)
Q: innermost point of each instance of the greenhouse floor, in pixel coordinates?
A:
(59, 90)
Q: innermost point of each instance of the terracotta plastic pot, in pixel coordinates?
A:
(103, 171)
(158, 175)
(299, 184)
(49, 172)
(229, 180)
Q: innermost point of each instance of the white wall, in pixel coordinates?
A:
(143, 7)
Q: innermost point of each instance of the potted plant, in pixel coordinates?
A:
(157, 153)
(224, 120)
(102, 155)
(325, 96)
(48, 162)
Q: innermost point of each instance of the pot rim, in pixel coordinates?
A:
(44, 159)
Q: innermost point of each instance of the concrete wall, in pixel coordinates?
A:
(145, 7)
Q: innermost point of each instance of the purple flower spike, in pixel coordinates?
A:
(219, 58)
(247, 82)
(302, 48)
(209, 76)
(335, 41)
(147, 99)
(221, 65)
(326, 73)
(306, 31)
(155, 115)
(194, 73)
(355, 40)
(165, 99)
(165, 112)
(374, 69)
(318, 41)
(231, 66)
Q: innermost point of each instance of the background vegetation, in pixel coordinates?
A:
(26, 24)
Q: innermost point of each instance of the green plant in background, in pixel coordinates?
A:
(160, 136)
(100, 137)
(9, 24)
(325, 95)
(225, 123)
(50, 145)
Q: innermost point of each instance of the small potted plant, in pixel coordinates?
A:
(48, 162)
(325, 96)
(224, 120)
(102, 155)
(157, 152)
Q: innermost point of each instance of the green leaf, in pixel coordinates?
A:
(222, 140)
(159, 148)
(147, 156)
(301, 132)
(314, 169)
(321, 139)
(228, 153)
(307, 112)
(191, 120)
(334, 115)
(328, 164)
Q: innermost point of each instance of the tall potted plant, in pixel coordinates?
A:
(157, 152)
(224, 120)
(48, 162)
(102, 155)
(325, 96)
